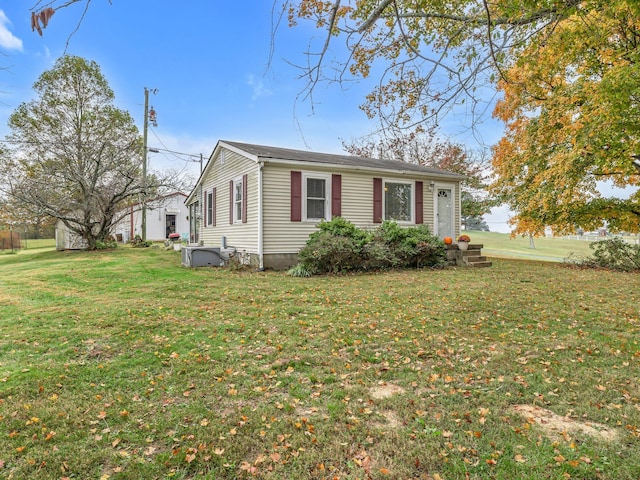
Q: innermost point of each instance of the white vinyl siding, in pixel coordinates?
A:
(242, 236)
(281, 235)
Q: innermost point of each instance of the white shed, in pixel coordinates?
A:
(68, 240)
(165, 215)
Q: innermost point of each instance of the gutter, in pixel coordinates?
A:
(362, 168)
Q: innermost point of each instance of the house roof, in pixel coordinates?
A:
(267, 153)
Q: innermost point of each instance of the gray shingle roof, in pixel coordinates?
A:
(265, 153)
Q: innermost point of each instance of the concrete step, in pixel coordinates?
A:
(479, 264)
(475, 258)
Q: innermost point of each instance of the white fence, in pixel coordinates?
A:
(635, 239)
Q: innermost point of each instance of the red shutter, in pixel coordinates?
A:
(419, 203)
(213, 207)
(377, 200)
(244, 198)
(336, 195)
(204, 210)
(231, 202)
(296, 196)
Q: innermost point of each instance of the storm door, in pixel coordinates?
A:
(445, 212)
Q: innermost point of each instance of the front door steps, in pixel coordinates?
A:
(472, 257)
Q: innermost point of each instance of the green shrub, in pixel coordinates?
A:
(614, 254)
(299, 270)
(328, 253)
(339, 227)
(339, 246)
(376, 255)
(109, 243)
(409, 247)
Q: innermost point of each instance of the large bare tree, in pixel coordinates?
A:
(73, 155)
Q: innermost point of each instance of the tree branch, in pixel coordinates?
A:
(374, 16)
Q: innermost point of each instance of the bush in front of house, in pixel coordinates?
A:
(410, 247)
(339, 246)
(137, 242)
(613, 254)
(329, 253)
(339, 227)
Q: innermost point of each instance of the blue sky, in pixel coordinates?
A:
(210, 62)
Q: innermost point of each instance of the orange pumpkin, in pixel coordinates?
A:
(447, 240)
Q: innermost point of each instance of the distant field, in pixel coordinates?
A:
(34, 245)
(546, 249)
(39, 243)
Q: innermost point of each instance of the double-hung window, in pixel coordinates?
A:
(398, 201)
(237, 200)
(209, 208)
(316, 195)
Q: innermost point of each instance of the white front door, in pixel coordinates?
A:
(445, 213)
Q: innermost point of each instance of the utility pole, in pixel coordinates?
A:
(144, 157)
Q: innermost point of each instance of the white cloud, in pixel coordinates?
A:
(258, 88)
(7, 39)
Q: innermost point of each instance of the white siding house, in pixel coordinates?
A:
(265, 201)
(165, 215)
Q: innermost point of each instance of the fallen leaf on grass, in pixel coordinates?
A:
(275, 457)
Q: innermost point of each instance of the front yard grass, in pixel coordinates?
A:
(123, 364)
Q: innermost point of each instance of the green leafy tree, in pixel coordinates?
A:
(75, 156)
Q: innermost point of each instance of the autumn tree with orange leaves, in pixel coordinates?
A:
(572, 110)
(567, 70)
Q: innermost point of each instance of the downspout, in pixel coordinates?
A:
(131, 235)
(459, 208)
(260, 219)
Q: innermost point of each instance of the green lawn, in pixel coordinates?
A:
(125, 365)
